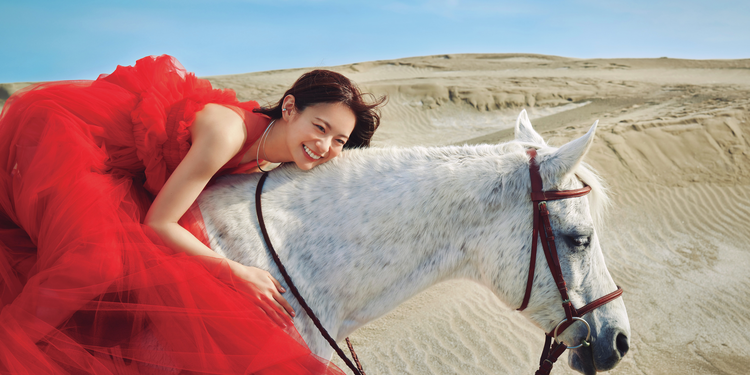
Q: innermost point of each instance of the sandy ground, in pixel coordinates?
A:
(672, 146)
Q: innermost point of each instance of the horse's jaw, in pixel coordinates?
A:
(373, 306)
(352, 318)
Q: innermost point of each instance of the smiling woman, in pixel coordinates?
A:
(313, 136)
(103, 262)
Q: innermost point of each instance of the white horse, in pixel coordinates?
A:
(372, 228)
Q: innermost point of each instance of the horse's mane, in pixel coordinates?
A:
(598, 198)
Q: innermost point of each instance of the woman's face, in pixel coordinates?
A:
(318, 134)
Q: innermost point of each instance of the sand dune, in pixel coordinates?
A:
(673, 149)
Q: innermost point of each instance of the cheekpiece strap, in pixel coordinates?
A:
(542, 232)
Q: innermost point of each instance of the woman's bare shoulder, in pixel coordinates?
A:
(218, 123)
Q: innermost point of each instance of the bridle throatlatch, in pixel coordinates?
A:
(543, 230)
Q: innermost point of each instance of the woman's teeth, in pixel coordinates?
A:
(312, 154)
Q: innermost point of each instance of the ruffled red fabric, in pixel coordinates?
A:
(162, 117)
(84, 286)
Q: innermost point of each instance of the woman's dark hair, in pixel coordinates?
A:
(325, 86)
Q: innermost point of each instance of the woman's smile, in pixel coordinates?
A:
(313, 156)
(317, 133)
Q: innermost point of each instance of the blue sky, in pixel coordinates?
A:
(54, 40)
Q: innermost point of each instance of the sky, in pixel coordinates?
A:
(78, 39)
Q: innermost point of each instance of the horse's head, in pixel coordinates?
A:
(580, 255)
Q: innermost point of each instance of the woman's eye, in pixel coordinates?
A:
(320, 128)
(341, 141)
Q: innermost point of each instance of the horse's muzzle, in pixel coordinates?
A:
(605, 352)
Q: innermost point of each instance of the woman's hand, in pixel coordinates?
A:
(267, 289)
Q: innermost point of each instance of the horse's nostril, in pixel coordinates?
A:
(622, 344)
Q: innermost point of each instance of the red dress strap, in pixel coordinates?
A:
(255, 124)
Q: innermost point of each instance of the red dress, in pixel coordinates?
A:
(85, 287)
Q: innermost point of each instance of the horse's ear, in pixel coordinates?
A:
(567, 157)
(524, 131)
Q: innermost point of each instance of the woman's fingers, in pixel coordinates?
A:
(274, 311)
(276, 282)
(282, 302)
(282, 307)
(268, 291)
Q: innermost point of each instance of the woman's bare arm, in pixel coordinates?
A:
(217, 134)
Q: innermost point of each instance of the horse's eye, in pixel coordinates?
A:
(578, 242)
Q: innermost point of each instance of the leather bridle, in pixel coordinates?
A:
(543, 230)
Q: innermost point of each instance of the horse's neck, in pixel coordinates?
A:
(365, 235)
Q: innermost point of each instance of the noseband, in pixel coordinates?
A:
(543, 230)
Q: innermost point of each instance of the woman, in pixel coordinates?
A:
(103, 264)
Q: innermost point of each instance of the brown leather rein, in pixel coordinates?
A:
(357, 370)
(543, 229)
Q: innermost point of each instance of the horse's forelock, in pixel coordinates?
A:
(599, 197)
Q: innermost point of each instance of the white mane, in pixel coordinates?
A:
(598, 198)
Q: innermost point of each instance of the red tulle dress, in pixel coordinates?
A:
(85, 287)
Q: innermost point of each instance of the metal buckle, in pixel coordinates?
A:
(584, 342)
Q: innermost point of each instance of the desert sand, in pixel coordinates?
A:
(671, 145)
